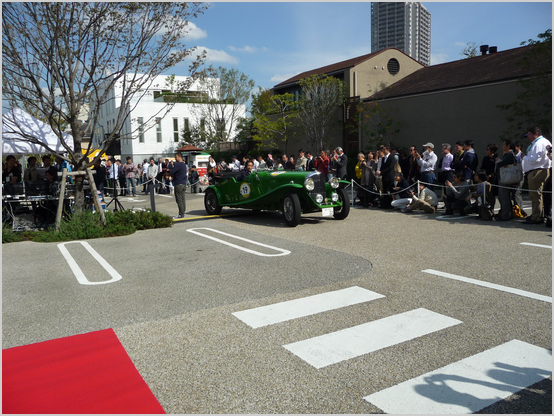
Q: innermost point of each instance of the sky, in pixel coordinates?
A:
(273, 41)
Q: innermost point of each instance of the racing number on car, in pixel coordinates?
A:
(245, 189)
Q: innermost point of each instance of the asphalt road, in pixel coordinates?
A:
(174, 292)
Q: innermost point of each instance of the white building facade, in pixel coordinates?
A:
(402, 25)
(150, 130)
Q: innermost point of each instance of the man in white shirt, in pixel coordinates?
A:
(427, 162)
(536, 165)
(235, 164)
(151, 175)
(144, 174)
(114, 178)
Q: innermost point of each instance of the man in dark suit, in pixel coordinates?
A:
(387, 170)
(309, 162)
(341, 163)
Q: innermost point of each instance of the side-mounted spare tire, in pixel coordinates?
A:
(340, 213)
(292, 210)
(211, 202)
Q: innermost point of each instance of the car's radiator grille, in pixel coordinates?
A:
(319, 186)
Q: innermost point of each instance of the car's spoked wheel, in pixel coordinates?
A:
(340, 213)
(211, 203)
(292, 209)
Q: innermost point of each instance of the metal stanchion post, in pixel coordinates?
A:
(352, 192)
(152, 196)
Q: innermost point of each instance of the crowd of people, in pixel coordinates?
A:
(387, 178)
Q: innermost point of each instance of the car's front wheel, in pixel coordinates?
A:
(340, 213)
(292, 210)
(211, 203)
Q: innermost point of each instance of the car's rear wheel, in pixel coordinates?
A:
(340, 213)
(292, 210)
(211, 203)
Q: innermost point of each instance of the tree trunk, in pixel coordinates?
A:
(79, 194)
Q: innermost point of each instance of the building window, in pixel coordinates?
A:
(176, 130)
(158, 129)
(141, 129)
(202, 124)
(393, 66)
(187, 125)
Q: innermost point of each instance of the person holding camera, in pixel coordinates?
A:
(322, 163)
(536, 166)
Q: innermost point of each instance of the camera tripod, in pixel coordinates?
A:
(118, 206)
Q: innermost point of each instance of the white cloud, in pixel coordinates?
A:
(194, 32)
(439, 58)
(218, 56)
(461, 44)
(248, 49)
(282, 77)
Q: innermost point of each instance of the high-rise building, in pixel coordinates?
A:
(406, 26)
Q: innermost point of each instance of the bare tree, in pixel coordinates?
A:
(58, 57)
(226, 93)
(322, 97)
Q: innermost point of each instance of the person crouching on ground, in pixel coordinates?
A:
(426, 201)
(456, 194)
(404, 194)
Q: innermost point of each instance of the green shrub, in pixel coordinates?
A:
(86, 225)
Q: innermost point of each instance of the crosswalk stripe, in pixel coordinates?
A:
(311, 305)
(372, 336)
(471, 384)
(536, 245)
(489, 285)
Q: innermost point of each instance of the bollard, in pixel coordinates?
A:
(152, 197)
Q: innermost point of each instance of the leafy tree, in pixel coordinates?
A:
(227, 91)
(374, 122)
(59, 57)
(322, 96)
(275, 115)
(197, 135)
(533, 105)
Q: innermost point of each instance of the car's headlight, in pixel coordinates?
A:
(319, 198)
(309, 184)
(334, 197)
(334, 182)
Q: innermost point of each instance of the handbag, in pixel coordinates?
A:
(511, 174)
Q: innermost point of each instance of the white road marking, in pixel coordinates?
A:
(471, 384)
(311, 305)
(281, 252)
(491, 285)
(81, 278)
(372, 336)
(165, 196)
(536, 245)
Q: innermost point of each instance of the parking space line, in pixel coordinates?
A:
(311, 305)
(281, 252)
(536, 245)
(469, 385)
(81, 278)
(369, 337)
(491, 285)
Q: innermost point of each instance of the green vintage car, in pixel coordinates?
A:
(291, 192)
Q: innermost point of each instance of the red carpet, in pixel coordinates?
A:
(87, 373)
